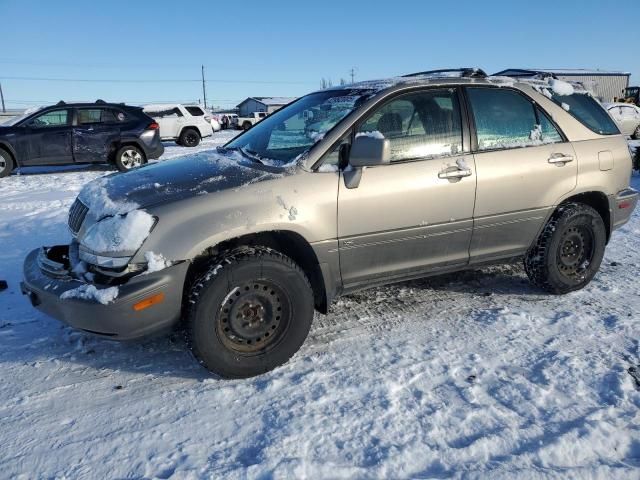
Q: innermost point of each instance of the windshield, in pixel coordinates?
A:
(15, 120)
(282, 137)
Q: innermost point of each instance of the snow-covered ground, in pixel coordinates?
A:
(470, 375)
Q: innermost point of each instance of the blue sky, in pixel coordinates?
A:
(262, 48)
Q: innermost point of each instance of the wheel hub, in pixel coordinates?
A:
(251, 316)
(575, 253)
(131, 159)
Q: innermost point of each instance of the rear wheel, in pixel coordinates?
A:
(189, 138)
(249, 313)
(246, 125)
(6, 163)
(129, 157)
(569, 250)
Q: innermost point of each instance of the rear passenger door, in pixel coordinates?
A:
(96, 133)
(524, 166)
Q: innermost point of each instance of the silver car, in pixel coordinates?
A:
(343, 189)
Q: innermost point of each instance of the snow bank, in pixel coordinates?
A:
(561, 88)
(156, 262)
(90, 292)
(121, 233)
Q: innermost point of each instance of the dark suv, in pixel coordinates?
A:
(79, 133)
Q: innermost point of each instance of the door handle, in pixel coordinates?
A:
(458, 173)
(560, 158)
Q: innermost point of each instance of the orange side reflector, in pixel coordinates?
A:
(149, 302)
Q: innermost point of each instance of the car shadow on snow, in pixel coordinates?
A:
(83, 167)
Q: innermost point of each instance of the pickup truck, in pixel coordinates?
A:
(245, 123)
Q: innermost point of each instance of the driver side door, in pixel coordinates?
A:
(47, 138)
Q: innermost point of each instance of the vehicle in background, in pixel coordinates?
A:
(228, 120)
(631, 95)
(184, 124)
(627, 116)
(406, 178)
(68, 133)
(245, 123)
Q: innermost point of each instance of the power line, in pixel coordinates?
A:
(153, 80)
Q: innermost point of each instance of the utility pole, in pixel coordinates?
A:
(204, 88)
(2, 98)
(352, 72)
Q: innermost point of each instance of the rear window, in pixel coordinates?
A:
(195, 111)
(584, 108)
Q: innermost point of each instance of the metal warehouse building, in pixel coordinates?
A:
(602, 84)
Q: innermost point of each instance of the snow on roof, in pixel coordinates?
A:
(563, 71)
(272, 100)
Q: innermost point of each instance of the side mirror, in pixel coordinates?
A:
(370, 150)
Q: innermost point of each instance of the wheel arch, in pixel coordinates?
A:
(192, 127)
(597, 200)
(287, 242)
(11, 151)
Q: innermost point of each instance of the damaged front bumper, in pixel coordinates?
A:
(48, 275)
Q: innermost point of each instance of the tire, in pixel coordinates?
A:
(246, 126)
(189, 137)
(249, 313)
(568, 253)
(129, 157)
(6, 163)
(636, 134)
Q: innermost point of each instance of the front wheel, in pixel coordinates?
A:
(568, 253)
(6, 163)
(246, 126)
(129, 157)
(249, 313)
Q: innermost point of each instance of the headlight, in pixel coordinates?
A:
(112, 241)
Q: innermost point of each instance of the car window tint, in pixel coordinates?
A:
(584, 108)
(419, 125)
(505, 118)
(54, 118)
(195, 111)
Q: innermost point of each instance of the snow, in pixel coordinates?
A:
(155, 262)
(561, 87)
(121, 233)
(565, 106)
(469, 375)
(327, 167)
(90, 292)
(372, 134)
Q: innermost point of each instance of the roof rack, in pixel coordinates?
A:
(60, 103)
(521, 73)
(100, 101)
(463, 72)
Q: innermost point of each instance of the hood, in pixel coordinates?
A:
(171, 180)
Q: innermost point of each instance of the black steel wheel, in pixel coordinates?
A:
(253, 317)
(568, 253)
(189, 138)
(6, 163)
(250, 312)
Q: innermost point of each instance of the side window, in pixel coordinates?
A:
(54, 118)
(331, 159)
(89, 115)
(195, 111)
(506, 119)
(419, 125)
(584, 108)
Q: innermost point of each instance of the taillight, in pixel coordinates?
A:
(153, 126)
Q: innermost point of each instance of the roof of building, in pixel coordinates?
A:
(271, 100)
(566, 72)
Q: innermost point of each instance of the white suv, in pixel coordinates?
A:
(186, 124)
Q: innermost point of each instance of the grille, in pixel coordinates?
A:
(77, 212)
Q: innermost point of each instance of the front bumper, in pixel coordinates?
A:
(621, 207)
(46, 279)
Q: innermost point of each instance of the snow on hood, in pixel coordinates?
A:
(198, 174)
